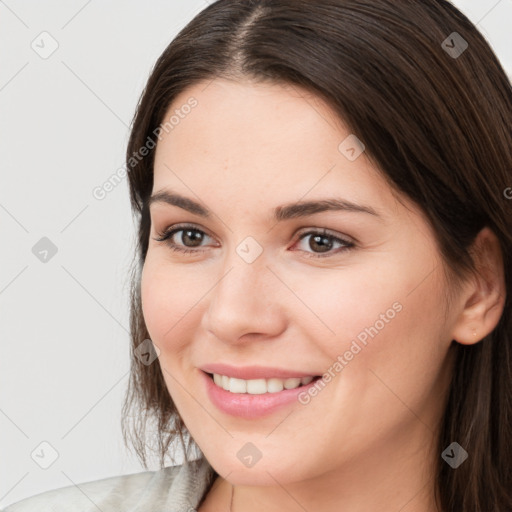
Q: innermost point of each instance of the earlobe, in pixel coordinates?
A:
(484, 298)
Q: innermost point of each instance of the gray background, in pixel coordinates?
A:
(64, 322)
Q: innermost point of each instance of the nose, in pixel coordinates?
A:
(245, 303)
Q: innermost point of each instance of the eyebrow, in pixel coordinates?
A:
(280, 213)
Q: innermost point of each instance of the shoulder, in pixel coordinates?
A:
(173, 488)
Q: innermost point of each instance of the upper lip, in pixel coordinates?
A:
(253, 372)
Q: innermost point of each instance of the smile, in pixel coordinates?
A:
(259, 386)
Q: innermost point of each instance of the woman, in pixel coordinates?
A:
(320, 302)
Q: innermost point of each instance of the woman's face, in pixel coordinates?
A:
(363, 303)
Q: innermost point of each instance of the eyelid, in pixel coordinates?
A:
(328, 232)
(181, 226)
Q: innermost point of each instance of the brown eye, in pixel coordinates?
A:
(191, 235)
(190, 238)
(323, 242)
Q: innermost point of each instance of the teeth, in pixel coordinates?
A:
(306, 380)
(258, 386)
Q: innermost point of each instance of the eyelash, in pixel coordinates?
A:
(168, 233)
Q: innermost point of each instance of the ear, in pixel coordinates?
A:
(484, 296)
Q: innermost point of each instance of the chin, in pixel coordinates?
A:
(262, 473)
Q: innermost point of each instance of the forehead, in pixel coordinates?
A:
(253, 143)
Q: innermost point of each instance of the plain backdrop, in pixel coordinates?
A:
(64, 321)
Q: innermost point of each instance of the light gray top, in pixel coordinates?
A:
(172, 489)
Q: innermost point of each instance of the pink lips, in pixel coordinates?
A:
(244, 405)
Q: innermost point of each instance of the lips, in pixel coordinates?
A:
(254, 372)
(251, 406)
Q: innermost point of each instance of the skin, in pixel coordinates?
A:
(366, 440)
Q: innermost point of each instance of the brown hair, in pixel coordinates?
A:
(437, 125)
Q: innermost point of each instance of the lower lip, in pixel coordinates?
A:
(249, 406)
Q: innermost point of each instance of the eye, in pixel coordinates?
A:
(190, 234)
(323, 241)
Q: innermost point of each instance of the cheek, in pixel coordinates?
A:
(170, 296)
(162, 305)
(375, 317)
(345, 304)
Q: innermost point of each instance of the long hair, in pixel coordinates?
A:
(419, 84)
